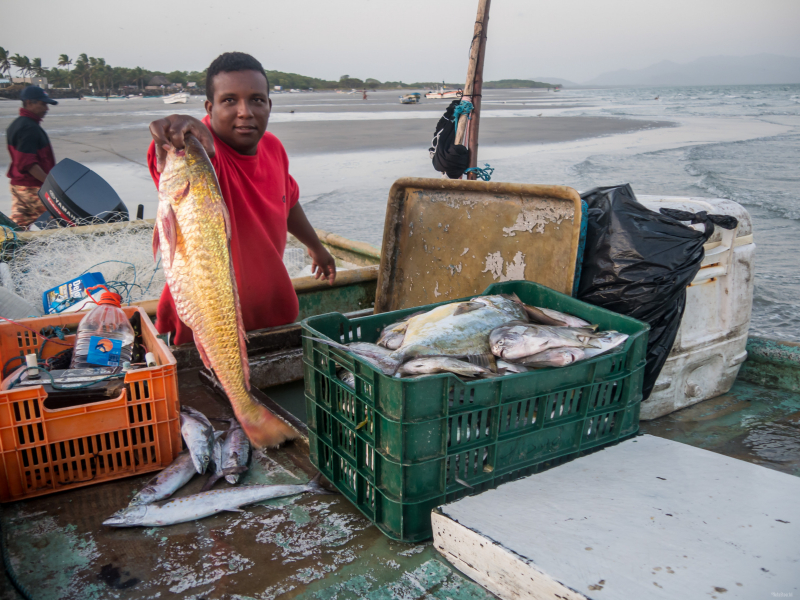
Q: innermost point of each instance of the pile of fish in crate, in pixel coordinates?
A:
(410, 409)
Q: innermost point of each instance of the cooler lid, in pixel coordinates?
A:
(719, 206)
(446, 239)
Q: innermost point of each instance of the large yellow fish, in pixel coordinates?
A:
(193, 231)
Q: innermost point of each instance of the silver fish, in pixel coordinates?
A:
(347, 378)
(458, 330)
(517, 340)
(235, 450)
(548, 316)
(378, 356)
(608, 341)
(393, 335)
(177, 474)
(199, 437)
(430, 365)
(555, 357)
(205, 504)
(508, 368)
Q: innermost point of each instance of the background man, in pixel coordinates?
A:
(262, 198)
(31, 156)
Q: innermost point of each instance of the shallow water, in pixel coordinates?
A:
(737, 142)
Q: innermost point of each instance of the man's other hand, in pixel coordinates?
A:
(323, 265)
(171, 130)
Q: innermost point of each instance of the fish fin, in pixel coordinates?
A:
(315, 486)
(156, 241)
(464, 483)
(235, 510)
(212, 479)
(512, 296)
(466, 307)
(202, 352)
(487, 361)
(538, 316)
(234, 470)
(169, 225)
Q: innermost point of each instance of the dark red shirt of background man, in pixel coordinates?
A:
(32, 156)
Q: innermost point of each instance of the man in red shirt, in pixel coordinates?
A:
(261, 196)
(31, 156)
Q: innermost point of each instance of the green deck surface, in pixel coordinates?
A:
(307, 547)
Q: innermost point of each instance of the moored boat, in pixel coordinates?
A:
(179, 98)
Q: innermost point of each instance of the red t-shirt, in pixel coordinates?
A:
(259, 192)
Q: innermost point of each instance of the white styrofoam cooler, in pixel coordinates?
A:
(710, 346)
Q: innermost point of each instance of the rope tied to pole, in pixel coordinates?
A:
(484, 174)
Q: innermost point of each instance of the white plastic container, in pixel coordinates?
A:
(710, 346)
(105, 336)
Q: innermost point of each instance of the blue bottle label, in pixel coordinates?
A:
(104, 351)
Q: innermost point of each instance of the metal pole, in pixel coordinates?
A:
(474, 84)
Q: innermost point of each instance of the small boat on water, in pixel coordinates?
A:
(444, 94)
(179, 98)
(104, 99)
(410, 98)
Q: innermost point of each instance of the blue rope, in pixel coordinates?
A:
(485, 174)
(462, 109)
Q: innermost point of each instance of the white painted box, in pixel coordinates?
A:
(710, 346)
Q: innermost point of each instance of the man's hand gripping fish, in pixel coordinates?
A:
(193, 231)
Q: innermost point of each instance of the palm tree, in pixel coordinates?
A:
(22, 63)
(64, 61)
(82, 68)
(138, 75)
(37, 68)
(5, 64)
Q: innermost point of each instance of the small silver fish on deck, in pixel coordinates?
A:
(177, 474)
(199, 437)
(205, 504)
(235, 451)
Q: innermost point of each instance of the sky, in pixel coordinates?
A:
(403, 40)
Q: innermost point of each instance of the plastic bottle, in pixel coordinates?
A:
(105, 336)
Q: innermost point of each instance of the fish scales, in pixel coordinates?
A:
(193, 232)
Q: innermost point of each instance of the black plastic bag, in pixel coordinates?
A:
(638, 263)
(447, 156)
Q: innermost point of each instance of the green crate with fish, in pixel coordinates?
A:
(427, 404)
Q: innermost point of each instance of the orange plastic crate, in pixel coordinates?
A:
(45, 451)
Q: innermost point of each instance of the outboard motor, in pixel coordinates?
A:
(76, 195)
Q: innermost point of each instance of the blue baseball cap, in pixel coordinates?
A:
(34, 92)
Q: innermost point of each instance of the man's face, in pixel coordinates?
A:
(37, 107)
(240, 110)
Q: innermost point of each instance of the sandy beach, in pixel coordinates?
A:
(112, 137)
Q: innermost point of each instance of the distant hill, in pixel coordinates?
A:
(557, 81)
(506, 84)
(758, 69)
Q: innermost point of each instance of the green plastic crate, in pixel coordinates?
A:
(397, 447)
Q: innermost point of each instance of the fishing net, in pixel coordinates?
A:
(124, 255)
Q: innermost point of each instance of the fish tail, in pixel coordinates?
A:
(263, 428)
(315, 487)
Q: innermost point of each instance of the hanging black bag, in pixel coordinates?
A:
(639, 263)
